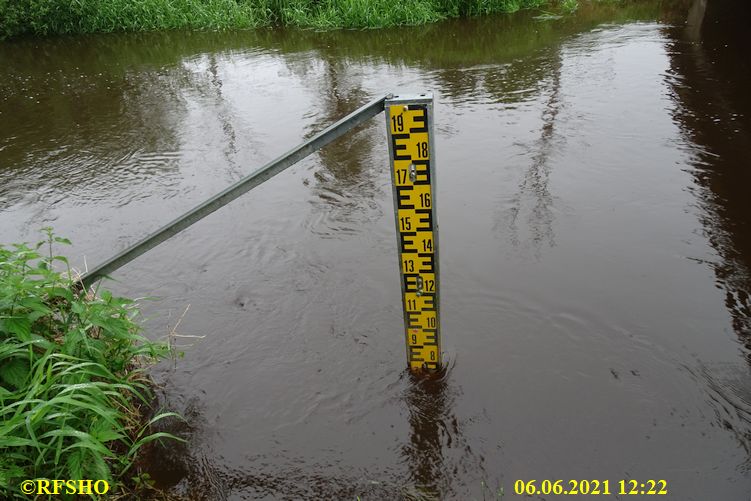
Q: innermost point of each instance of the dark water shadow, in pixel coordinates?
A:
(709, 77)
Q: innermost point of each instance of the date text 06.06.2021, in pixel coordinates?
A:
(590, 487)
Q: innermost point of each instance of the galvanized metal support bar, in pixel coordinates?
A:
(246, 184)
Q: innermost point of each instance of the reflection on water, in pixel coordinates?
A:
(345, 185)
(709, 78)
(715, 118)
(429, 428)
(83, 127)
(223, 113)
(534, 202)
(436, 444)
(595, 245)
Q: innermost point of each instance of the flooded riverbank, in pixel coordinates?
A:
(595, 248)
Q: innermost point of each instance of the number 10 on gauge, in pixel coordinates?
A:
(412, 161)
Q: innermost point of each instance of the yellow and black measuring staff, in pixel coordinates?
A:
(410, 129)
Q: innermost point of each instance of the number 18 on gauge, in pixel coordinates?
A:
(412, 160)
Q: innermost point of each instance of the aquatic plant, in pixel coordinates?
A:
(74, 397)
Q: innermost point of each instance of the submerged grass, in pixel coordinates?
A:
(73, 394)
(48, 17)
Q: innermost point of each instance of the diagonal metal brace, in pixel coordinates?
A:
(244, 185)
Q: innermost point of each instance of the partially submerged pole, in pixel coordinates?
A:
(409, 121)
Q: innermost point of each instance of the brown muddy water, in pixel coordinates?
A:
(593, 177)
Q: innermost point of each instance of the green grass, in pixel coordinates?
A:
(73, 394)
(55, 17)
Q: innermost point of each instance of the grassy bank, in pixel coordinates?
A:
(48, 17)
(74, 401)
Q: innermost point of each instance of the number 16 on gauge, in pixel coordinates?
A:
(412, 162)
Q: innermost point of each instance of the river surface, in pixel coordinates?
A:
(593, 193)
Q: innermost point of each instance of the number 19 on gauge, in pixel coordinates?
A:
(412, 160)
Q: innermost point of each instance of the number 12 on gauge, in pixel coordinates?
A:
(412, 162)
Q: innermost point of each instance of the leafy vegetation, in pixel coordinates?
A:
(46, 17)
(73, 393)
